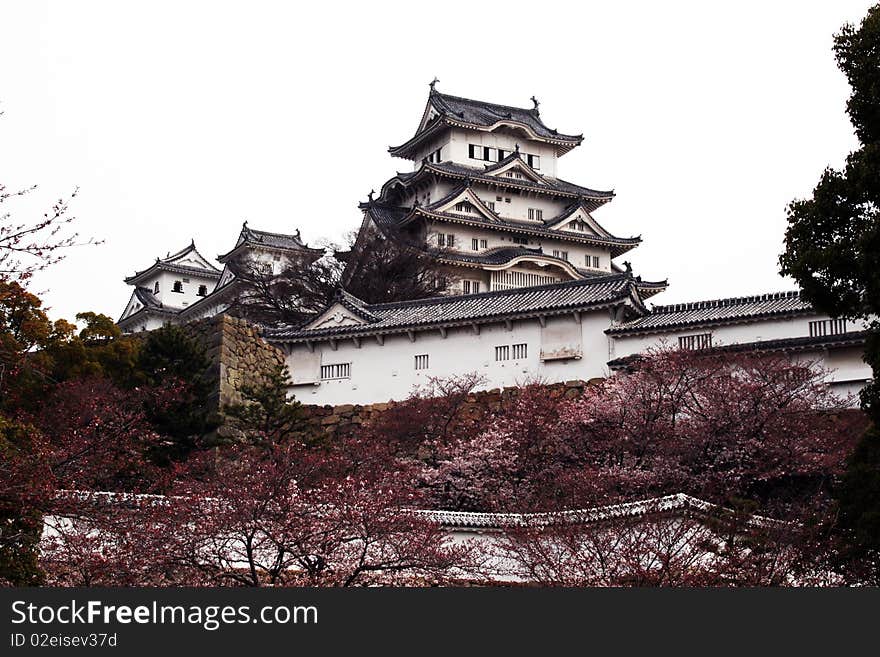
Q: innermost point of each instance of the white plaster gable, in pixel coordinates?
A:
(336, 315)
(471, 197)
(189, 257)
(517, 167)
(132, 306)
(580, 215)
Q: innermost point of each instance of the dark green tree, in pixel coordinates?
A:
(170, 358)
(24, 493)
(832, 249)
(266, 415)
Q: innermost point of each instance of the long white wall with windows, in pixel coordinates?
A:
(366, 371)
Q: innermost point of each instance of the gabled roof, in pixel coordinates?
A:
(150, 305)
(249, 237)
(717, 311)
(146, 297)
(463, 310)
(513, 162)
(570, 211)
(443, 110)
(591, 198)
(391, 216)
(186, 261)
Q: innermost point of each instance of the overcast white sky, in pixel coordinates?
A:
(178, 120)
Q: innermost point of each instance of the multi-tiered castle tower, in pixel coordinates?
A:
(485, 197)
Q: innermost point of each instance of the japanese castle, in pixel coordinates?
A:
(539, 293)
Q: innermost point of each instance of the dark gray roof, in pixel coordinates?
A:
(475, 308)
(146, 297)
(277, 241)
(168, 263)
(390, 216)
(592, 198)
(481, 113)
(803, 343)
(717, 311)
(455, 109)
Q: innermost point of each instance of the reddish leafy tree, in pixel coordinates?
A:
(250, 523)
(98, 435)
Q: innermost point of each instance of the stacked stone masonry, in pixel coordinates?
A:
(339, 421)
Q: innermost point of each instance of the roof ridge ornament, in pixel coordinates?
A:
(536, 102)
(433, 82)
(370, 195)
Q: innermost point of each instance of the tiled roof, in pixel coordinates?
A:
(802, 343)
(278, 241)
(717, 311)
(170, 263)
(679, 502)
(464, 309)
(478, 113)
(593, 198)
(385, 215)
(146, 297)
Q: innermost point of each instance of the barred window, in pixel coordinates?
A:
(520, 351)
(484, 244)
(336, 371)
(475, 244)
(441, 239)
(502, 352)
(536, 214)
(421, 362)
(827, 327)
(596, 262)
(693, 342)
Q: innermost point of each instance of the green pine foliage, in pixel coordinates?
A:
(832, 249)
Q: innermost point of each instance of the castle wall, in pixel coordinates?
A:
(382, 372)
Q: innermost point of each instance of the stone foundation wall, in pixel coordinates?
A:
(339, 421)
(238, 355)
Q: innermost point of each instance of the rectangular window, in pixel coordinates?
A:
(694, 342)
(475, 244)
(532, 214)
(421, 362)
(520, 240)
(475, 287)
(502, 352)
(823, 327)
(562, 255)
(491, 154)
(472, 152)
(520, 351)
(534, 161)
(499, 199)
(336, 371)
(484, 244)
(441, 239)
(596, 262)
(450, 240)
(507, 199)
(466, 287)
(490, 205)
